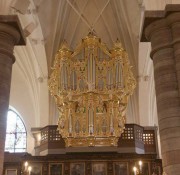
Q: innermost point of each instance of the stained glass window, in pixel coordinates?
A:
(15, 133)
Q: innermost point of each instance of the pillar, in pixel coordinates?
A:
(163, 31)
(10, 35)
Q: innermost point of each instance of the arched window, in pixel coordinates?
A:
(15, 133)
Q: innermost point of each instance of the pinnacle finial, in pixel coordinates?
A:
(118, 44)
(64, 45)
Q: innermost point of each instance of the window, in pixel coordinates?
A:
(15, 133)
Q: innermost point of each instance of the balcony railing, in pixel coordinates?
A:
(134, 136)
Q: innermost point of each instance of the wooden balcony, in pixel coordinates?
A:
(135, 139)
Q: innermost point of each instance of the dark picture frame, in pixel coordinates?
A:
(56, 169)
(11, 171)
(121, 168)
(36, 168)
(99, 168)
(146, 168)
(77, 168)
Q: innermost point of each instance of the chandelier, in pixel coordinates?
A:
(91, 86)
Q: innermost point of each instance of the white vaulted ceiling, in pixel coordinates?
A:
(52, 21)
(73, 19)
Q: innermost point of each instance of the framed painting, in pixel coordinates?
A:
(156, 169)
(120, 168)
(77, 169)
(11, 171)
(36, 168)
(99, 168)
(145, 168)
(55, 169)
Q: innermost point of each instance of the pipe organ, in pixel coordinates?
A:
(91, 86)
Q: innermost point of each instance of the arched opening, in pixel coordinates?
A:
(16, 135)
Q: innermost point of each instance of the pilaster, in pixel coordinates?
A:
(162, 29)
(10, 35)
